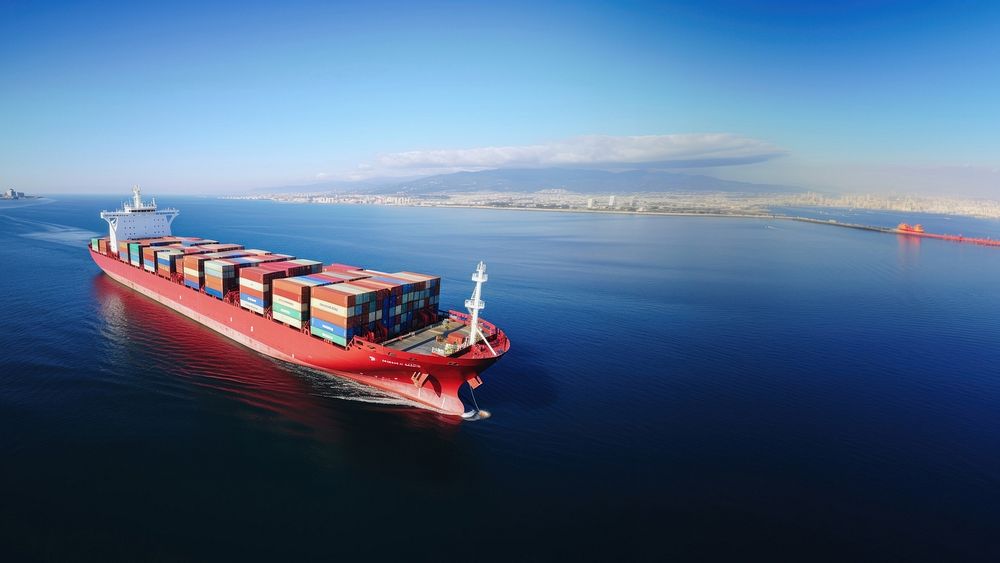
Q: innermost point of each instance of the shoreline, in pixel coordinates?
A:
(742, 214)
(770, 216)
(601, 211)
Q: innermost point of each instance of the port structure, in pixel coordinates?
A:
(476, 304)
(913, 231)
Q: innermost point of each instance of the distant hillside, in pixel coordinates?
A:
(537, 179)
(575, 180)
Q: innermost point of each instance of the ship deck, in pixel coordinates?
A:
(423, 340)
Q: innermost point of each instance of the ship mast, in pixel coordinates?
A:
(475, 304)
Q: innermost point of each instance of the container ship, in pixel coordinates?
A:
(381, 329)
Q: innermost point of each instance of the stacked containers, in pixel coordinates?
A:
(385, 293)
(135, 253)
(99, 244)
(177, 262)
(195, 241)
(340, 268)
(343, 276)
(149, 258)
(216, 247)
(194, 266)
(135, 248)
(167, 261)
(339, 312)
(154, 246)
(255, 282)
(123, 250)
(388, 298)
(425, 295)
(409, 301)
(290, 297)
(222, 276)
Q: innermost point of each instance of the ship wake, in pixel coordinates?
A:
(349, 390)
(54, 233)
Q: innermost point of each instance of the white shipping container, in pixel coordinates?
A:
(329, 307)
(250, 306)
(291, 304)
(255, 285)
(287, 320)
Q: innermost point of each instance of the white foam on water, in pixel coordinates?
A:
(69, 237)
(51, 232)
(333, 387)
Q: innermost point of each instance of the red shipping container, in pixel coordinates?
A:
(339, 267)
(337, 277)
(253, 292)
(328, 294)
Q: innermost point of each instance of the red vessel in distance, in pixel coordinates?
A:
(427, 364)
(918, 231)
(905, 228)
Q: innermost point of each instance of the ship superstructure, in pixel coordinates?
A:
(138, 219)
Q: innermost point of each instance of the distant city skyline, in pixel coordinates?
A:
(856, 97)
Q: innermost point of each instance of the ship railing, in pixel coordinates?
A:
(488, 328)
(490, 332)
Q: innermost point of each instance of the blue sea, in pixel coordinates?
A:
(678, 388)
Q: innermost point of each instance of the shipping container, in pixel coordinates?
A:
(194, 265)
(329, 336)
(167, 260)
(255, 282)
(222, 276)
(339, 267)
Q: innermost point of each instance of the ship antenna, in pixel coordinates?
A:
(475, 304)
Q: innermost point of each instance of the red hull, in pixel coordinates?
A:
(365, 362)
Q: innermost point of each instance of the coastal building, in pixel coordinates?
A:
(11, 194)
(611, 202)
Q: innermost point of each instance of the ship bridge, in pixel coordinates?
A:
(137, 219)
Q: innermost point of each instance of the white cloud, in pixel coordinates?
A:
(681, 150)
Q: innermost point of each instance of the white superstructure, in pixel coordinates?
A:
(138, 220)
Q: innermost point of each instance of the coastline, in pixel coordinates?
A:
(606, 211)
(699, 206)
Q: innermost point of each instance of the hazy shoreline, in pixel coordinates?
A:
(601, 211)
(663, 204)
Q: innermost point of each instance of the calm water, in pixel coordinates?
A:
(678, 388)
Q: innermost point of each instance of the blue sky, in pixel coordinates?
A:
(183, 97)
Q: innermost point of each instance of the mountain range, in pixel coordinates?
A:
(584, 181)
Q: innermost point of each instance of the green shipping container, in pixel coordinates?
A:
(328, 336)
(287, 320)
(287, 311)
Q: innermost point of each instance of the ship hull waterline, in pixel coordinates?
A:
(386, 369)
